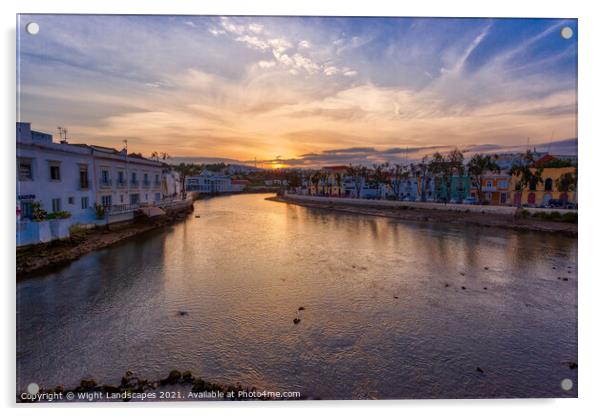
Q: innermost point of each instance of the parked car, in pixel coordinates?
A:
(554, 203)
(471, 200)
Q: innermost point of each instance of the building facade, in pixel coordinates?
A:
(63, 184)
(54, 177)
(541, 193)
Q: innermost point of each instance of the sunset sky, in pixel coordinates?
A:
(307, 91)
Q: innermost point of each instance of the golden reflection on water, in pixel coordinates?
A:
(378, 319)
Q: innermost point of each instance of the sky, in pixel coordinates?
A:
(301, 91)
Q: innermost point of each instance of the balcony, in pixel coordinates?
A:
(489, 189)
(106, 183)
(121, 208)
(157, 184)
(146, 183)
(121, 183)
(84, 185)
(134, 182)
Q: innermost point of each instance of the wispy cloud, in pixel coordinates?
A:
(245, 87)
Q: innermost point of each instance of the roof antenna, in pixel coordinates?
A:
(62, 134)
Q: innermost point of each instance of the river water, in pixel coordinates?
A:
(385, 313)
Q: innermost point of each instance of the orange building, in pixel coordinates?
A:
(496, 189)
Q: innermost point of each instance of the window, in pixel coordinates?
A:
(83, 177)
(26, 209)
(104, 177)
(157, 196)
(502, 183)
(120, 178)
(56, 204)
(25, 170)
(55, 171)
(548, 184)
(533, 185)
(156, 179)
(121, 199)
(134, 199)
(85, 203)
(146, 197)
(489, 184)
(106, 200)
(71, 200)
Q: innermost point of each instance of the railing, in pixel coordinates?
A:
(121, 208)
(146, 183)
(157, 183)
(106, 183)
(134, 182)
(84, 185)
(121, 183)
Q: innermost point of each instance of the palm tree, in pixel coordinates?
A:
(477, 166)
(527, 174)
(186, 170)
(567, 182)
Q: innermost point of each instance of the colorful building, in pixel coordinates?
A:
(496, 189)
(541, 193)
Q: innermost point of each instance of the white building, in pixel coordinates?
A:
(69, 180)
(123, 181)
(58, 176)
(209, 183)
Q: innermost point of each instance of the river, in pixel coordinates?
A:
(385, 314)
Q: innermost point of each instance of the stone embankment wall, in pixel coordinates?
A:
(488, 209)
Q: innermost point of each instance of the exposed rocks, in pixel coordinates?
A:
(173, 377)
(182, 313)
(296, 321)
(463, 287)
(132, 384)
(480, 370)
(486, 268)
(301, 308)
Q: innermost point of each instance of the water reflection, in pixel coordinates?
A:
(379, 320)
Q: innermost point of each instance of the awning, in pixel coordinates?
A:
(152, 211)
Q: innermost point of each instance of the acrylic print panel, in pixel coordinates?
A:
(295, 208)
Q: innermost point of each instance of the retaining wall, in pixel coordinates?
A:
(489, 209)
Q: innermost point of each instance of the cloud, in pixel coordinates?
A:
(304, 44)
(245, 87)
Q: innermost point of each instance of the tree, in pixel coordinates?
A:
(421, 170)
(567, 182)
(477, 166)
(315, 179)
(380, 175)
(358, 175)
(446, 167)
(397, 174)
(186, 170)
(527, 175)
(339, 180)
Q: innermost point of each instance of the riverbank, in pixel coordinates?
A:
(45, 257)
(488, 217)
(177, 386)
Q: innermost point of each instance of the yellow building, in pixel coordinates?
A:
(541, 193)
(327, 182)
